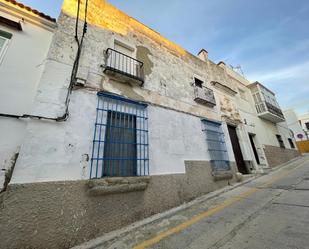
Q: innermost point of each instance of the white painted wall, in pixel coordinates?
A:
(20, 71)
(174, 137)
(57, 151)
(265, 131)
(294, 124)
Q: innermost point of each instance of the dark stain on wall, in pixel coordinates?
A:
(142, 54)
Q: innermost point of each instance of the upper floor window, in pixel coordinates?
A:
(242, 94)
(121, 62)
(124, 48)
(280, 141)
(307, 125)
(4, 41)
(198, 82)
(257, 98)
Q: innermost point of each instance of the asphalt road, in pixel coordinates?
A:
(270, 212)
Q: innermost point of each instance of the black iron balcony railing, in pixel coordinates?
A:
(274, 110)
(268, 107)
(123, 64)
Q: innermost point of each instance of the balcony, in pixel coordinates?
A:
(123, 67)
(269, 112)
(205, 96)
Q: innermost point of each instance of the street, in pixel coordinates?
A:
(270, 212)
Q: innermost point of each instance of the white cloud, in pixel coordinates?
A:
(300, 70)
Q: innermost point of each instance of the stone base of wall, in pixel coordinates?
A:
(64, 214)
(276, 155)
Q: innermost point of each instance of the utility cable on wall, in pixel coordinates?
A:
(79, 42)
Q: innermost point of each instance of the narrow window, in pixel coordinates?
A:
(280, 141)
(307, 125)
(198, 82)
(216, 145)
(120, 142)
(291, 143)
(122, 60)
(242, 94)
(4, 41)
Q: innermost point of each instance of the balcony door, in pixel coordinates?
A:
(126, 63)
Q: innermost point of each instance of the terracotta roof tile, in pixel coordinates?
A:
(41, 14)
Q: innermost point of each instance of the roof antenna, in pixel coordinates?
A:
(238, 69)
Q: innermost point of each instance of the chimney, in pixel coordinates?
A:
(203, 55)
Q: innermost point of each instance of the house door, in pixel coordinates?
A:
(254, 149)
(120, 154)
(237, 151)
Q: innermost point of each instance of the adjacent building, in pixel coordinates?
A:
(25, 38)
(304, 122)
(295, 124)
(299, 126)
(126, 124)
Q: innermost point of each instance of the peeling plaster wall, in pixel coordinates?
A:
(57, 151)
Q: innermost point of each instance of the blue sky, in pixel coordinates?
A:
(268, 38)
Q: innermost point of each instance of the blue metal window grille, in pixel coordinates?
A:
(120, 141)
(216, 145)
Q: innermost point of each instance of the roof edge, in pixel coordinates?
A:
(29, 9)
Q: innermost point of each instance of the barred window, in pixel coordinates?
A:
(120, 142)
(216, 145)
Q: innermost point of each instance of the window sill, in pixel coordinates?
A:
(117, 185)
(222, 175)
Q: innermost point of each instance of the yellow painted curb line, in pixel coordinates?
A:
(208, 213)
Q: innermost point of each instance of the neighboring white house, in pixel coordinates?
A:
(25, 38)
(263, 135)
(295, 124)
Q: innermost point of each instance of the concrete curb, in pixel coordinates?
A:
(92, 244)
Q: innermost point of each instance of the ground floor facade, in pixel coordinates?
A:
(114, 161)
(237, 217)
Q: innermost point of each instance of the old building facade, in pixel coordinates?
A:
(131, 103)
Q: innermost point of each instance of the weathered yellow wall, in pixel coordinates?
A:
(303, 146)
(104, 15)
